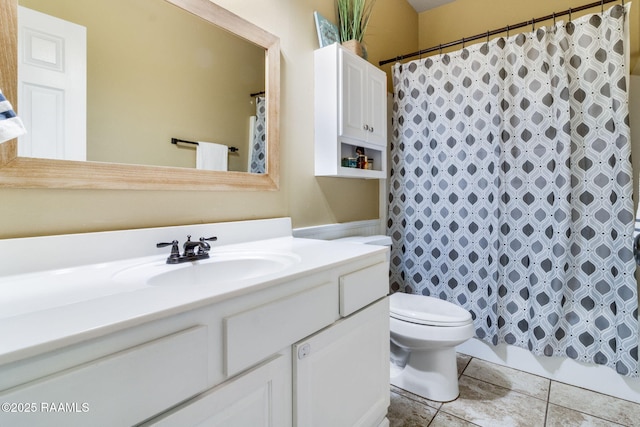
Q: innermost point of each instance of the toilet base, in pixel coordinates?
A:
(432, 374)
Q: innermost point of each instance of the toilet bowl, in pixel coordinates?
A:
(424, 334)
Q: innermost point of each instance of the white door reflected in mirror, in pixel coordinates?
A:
(52, 86)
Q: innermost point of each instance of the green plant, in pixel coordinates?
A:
(353, 18)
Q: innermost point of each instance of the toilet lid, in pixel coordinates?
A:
(427, 310)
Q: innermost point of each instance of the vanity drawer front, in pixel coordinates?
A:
(124, 388)
(255, 334)
(362, 287)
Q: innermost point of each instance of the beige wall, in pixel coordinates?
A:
(164, 73)
(465, 18)
(307, 199)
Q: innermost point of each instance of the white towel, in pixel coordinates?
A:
(10, 125)
(211, 156)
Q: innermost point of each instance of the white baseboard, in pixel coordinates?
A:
(597, 378)
(336, 231)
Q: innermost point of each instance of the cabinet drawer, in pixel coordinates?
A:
(255, 334)
(124, 388)
(362, 287)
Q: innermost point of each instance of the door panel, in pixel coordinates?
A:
(52, 64)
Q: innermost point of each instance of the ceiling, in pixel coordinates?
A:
(422, 5)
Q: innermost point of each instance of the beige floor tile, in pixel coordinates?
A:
(415, 397)
(404, 412)
(510, 378)
(558, 416)
(491, 406)
(442, 419)
(596, 404)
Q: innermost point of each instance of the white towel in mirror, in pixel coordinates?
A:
(212, 156)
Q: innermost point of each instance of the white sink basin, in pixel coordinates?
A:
(220, 267)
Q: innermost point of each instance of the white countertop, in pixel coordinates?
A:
(50, 309)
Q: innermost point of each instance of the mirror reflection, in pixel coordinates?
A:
(154, 73)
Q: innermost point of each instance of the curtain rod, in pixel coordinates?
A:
(488, 34)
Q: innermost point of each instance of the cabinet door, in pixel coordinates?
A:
(352, 93)
(260, 397)
(341, 374)
(377, 107)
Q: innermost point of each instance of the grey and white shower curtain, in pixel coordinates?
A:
(511, 186)
(258, 147)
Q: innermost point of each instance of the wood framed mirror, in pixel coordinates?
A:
(27, 172)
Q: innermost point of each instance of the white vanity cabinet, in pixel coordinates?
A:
(241, 361)
(350, 111)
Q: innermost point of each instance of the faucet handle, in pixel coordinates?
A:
(204, 246)
(175, 250)
(162, 245)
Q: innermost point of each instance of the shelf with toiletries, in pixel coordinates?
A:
(350, 114)
(361, 161)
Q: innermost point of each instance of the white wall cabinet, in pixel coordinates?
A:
(350, 111)
(363, 96)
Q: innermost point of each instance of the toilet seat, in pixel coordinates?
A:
(426, 310)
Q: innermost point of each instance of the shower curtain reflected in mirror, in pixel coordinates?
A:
(511, 189)
(258, 155)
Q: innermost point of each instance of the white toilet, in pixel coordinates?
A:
(424, 334)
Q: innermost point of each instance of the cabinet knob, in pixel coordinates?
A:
(304, 351)
(366, 127)
(371, 129)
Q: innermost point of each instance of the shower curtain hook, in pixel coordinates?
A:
(602, 7)
(507, 31)
(487, 36)
(533, 25)
(463, 42)
(570, 15)
(440, 48)
(554, 19)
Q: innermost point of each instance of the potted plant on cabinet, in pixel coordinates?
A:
(353, 19)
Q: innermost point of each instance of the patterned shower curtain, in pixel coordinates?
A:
(258, 147)
(511, 189)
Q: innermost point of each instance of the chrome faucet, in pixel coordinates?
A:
(189, 247)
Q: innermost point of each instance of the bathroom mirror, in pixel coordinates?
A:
(18, 171)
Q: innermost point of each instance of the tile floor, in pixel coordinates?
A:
(492, 396)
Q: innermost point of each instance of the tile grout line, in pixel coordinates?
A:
(546, 412)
